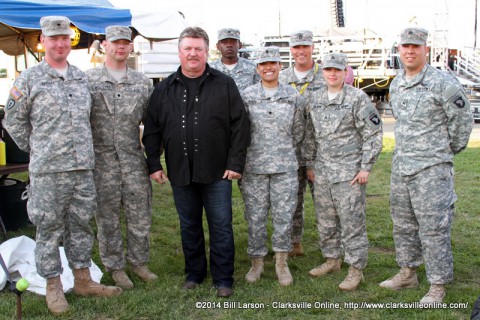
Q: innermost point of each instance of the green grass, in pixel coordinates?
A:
(165, 300)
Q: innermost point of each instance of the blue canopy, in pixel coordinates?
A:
(20, 20)
(89, 16)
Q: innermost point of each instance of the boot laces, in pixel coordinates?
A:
(352, 274)
(435, 292)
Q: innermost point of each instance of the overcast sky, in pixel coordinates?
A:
(257, 18)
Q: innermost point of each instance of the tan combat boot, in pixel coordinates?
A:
(255, 271)
(297, 250)
(85, 286)
(281, 269)
(353, 279)
(121, 279)
(406, 278)
(56, 302)
(435, 294)
(143, 273)
(330, 265)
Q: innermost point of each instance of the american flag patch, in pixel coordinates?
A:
(16, 93)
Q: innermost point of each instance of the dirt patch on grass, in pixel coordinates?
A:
(381, 250)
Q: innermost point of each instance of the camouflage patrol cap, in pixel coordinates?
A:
(268, 54)
(301, 38)
(228, 33)
(114, 33)
(414, 35)
(55, 26)
(334, 60)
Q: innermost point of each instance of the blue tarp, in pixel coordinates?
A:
(89, 16)
(20, 18)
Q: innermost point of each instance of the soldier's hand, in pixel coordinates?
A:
(159, 177)
(360, 178)
(230, 175)
(311, 175)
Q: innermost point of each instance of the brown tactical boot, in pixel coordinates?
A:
(297, 250)
(56, 302)
(435, 294)
(122, 280)
(143, 273)
(85, 286)
(281, 269)
(353, 279)
(255, 271)
(406, 278)
(330, 265)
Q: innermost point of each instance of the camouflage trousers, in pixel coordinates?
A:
(341, 222)
(132, 192)
(277, 192)
(61, 206)
(298, 216)
(422, 208)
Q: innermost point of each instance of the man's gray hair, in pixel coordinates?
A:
(194, 32)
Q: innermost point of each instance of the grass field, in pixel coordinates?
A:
(313, 298)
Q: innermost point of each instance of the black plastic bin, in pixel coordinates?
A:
(13, 203)
(14, 154)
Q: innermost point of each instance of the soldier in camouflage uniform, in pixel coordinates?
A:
(270, 177)
(48, 115)
(306, 78)
(240, 69)
(120, 99)
(433, 123)
(343, 141)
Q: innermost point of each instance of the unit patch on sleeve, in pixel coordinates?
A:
(10, 104)
(374, 119)
(459, 102)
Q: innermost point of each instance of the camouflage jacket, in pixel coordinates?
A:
(277, 126)
(244, 73)
(306, 87)
(117, 111)
(433, 120)
(344, 135)
(49, 116)
(311, 83)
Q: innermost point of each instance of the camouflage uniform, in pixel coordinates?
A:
(306, 86)
(344, 136)
(433, 123)
(244, 73)
(270, 177)
(121, 176)
(49, 116)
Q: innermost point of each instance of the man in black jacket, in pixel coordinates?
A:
(198, 117)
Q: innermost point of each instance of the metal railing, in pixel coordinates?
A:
(468, 65)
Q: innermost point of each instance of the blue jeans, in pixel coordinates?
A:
(216, 198)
